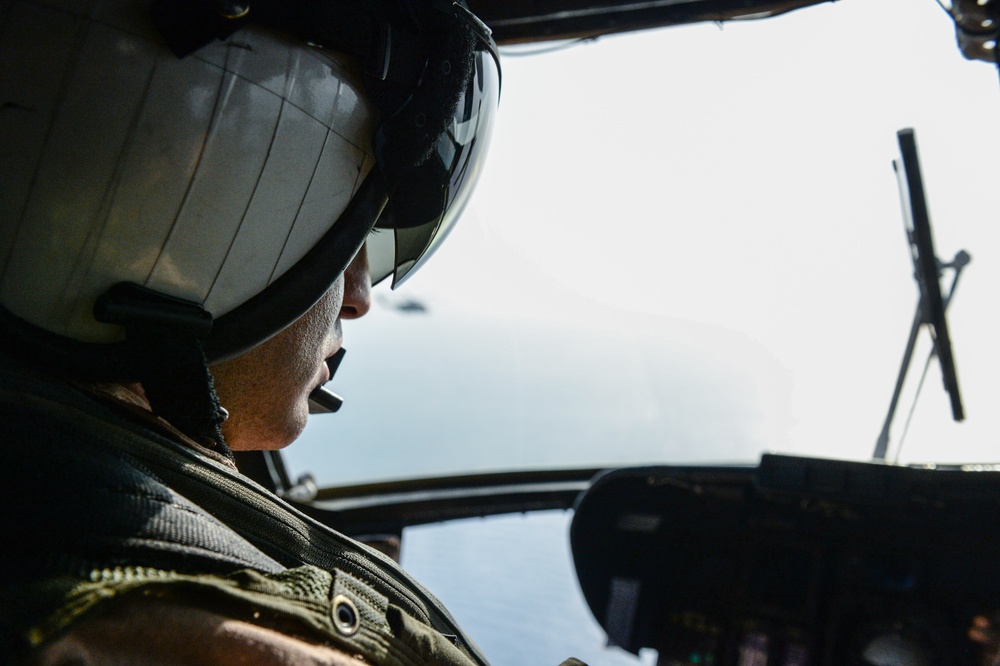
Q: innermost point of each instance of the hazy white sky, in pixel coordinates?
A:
(708, 219)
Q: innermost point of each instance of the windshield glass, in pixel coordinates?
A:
(687, 247)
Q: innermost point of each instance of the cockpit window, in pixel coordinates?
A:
(687, 247)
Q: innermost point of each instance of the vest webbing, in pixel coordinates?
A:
(87, 488)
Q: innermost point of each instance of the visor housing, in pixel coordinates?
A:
(426, 201)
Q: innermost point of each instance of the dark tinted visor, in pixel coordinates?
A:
(427, 200)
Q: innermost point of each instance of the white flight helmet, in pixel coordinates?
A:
(202, 168)
(204, 178)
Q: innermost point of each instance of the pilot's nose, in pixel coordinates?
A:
(357, 287)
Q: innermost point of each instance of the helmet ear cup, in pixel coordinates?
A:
(204, 178)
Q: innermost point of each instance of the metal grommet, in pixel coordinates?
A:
(346, 618)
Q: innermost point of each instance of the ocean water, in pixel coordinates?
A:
(510, 583)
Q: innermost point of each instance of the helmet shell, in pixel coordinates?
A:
(205, 177)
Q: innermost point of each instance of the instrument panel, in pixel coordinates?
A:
(795, 562)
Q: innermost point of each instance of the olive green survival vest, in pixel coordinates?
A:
(97, 504)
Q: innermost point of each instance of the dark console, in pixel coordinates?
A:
(796, 562)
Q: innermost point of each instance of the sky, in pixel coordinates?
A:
(687, 246)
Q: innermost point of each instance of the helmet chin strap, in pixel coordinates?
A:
(164, 343)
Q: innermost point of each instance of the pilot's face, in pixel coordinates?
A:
(266, 390)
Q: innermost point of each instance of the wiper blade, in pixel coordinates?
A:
(927, 270)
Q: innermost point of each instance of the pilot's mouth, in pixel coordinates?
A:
(322, 400)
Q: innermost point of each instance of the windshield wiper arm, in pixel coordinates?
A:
(932, 304)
